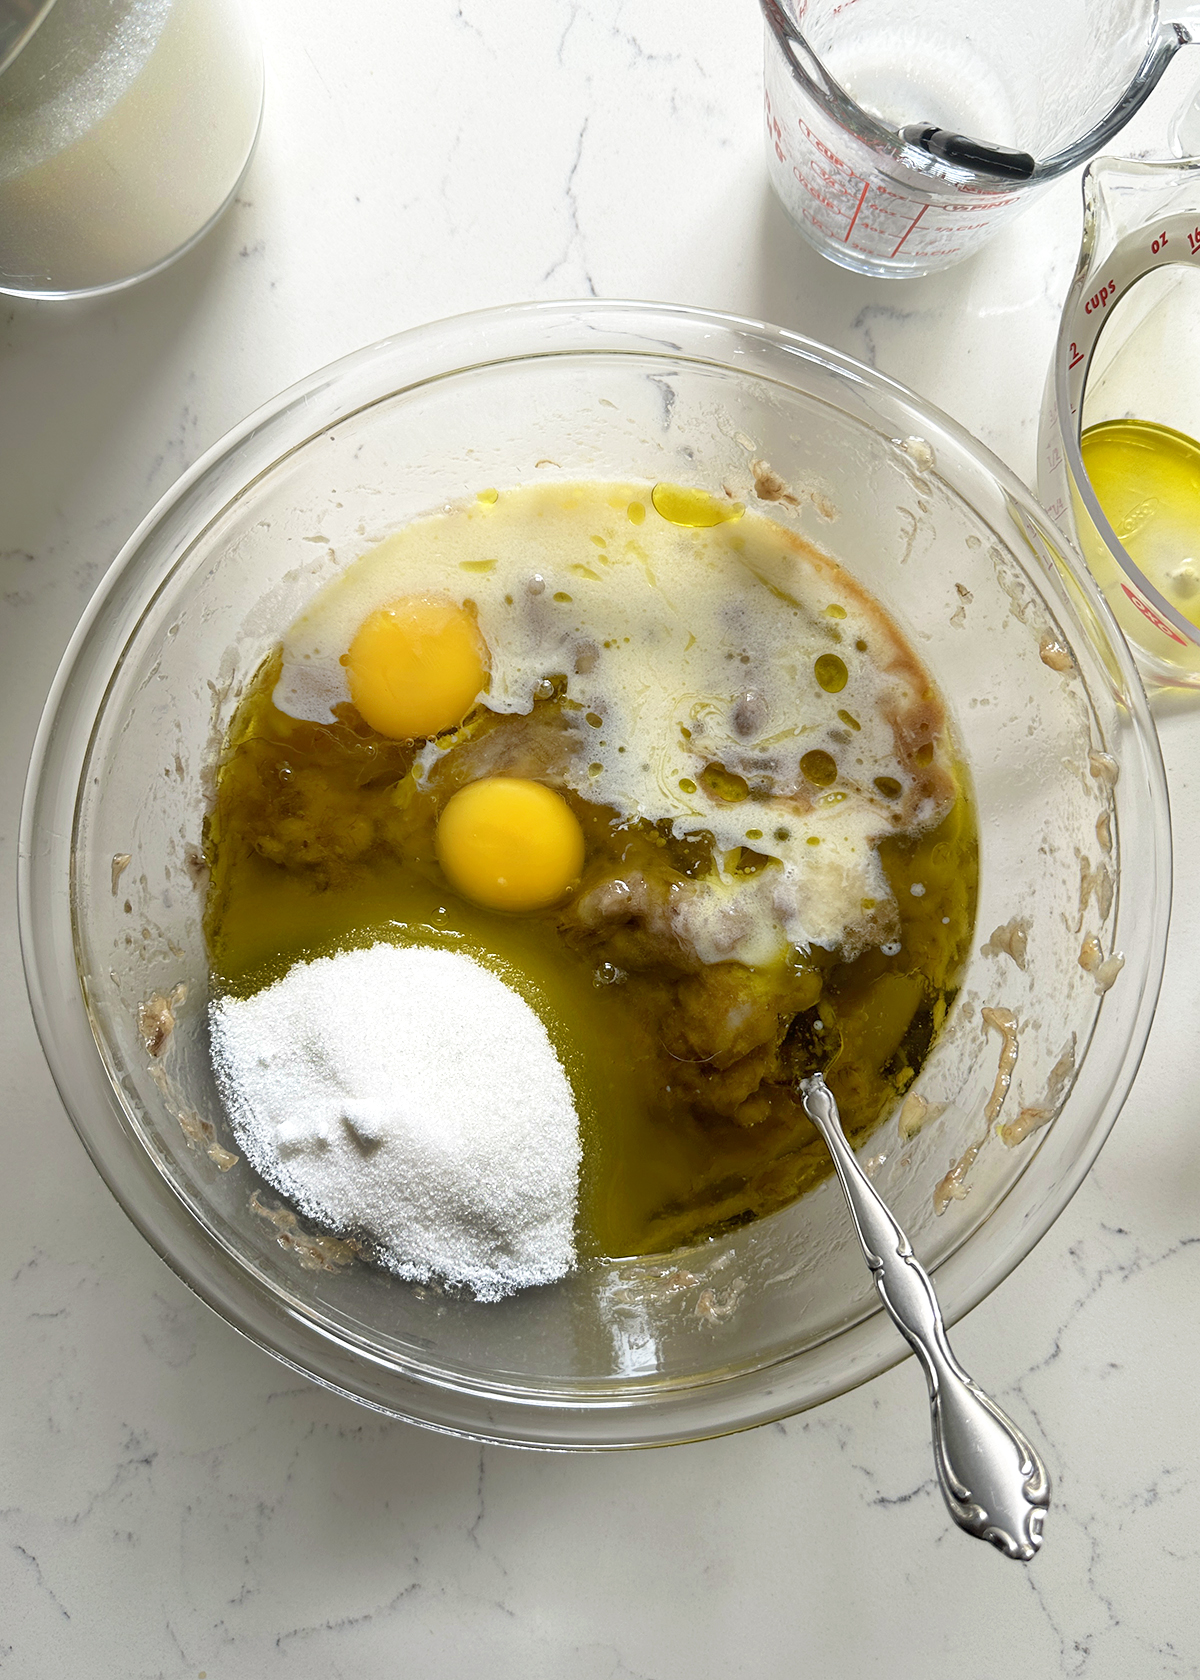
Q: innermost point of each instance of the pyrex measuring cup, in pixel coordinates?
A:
(901, 136)
(1119, 443)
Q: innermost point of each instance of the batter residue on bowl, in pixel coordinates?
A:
(744, 848)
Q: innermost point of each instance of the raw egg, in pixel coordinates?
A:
(416, 667)
(658, 666)
(510, 844)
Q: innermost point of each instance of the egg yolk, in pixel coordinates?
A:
(510, 844)
(416, 667)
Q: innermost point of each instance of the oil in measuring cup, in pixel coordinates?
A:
(1119, 448)
(1147, 481)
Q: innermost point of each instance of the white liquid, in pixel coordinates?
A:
(123, 130)
(907, 78)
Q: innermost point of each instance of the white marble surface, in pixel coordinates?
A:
(174, 1503)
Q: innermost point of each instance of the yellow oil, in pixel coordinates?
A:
(682, 505)
(1147, 480)
(320, 839)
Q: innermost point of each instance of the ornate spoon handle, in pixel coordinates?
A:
(992, 1480)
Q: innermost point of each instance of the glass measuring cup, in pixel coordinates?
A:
(901, 137)
(1121, 414)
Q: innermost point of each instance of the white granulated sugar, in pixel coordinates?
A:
(406, 1095)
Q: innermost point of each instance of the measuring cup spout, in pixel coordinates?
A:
(1163, 46)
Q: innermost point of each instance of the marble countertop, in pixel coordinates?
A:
(172, 1501)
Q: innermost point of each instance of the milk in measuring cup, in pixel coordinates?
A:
(886, 121)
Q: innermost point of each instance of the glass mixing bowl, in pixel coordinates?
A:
(1068, 780)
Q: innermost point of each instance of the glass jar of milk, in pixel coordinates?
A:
(125, 128)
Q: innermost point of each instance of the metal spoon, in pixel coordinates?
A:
(993, 1481)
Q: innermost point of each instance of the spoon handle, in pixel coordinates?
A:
(993, 1481)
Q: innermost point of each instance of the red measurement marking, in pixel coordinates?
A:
(910, 227)
(831, 178)
(816, 141)
(1147, 611)
(1100, 300)
(774, 132)
(857, 208)
(814, 193)
(1076, 358)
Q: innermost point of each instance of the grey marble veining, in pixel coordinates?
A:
(174, 1503)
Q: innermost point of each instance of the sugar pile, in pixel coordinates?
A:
(407, 1096)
